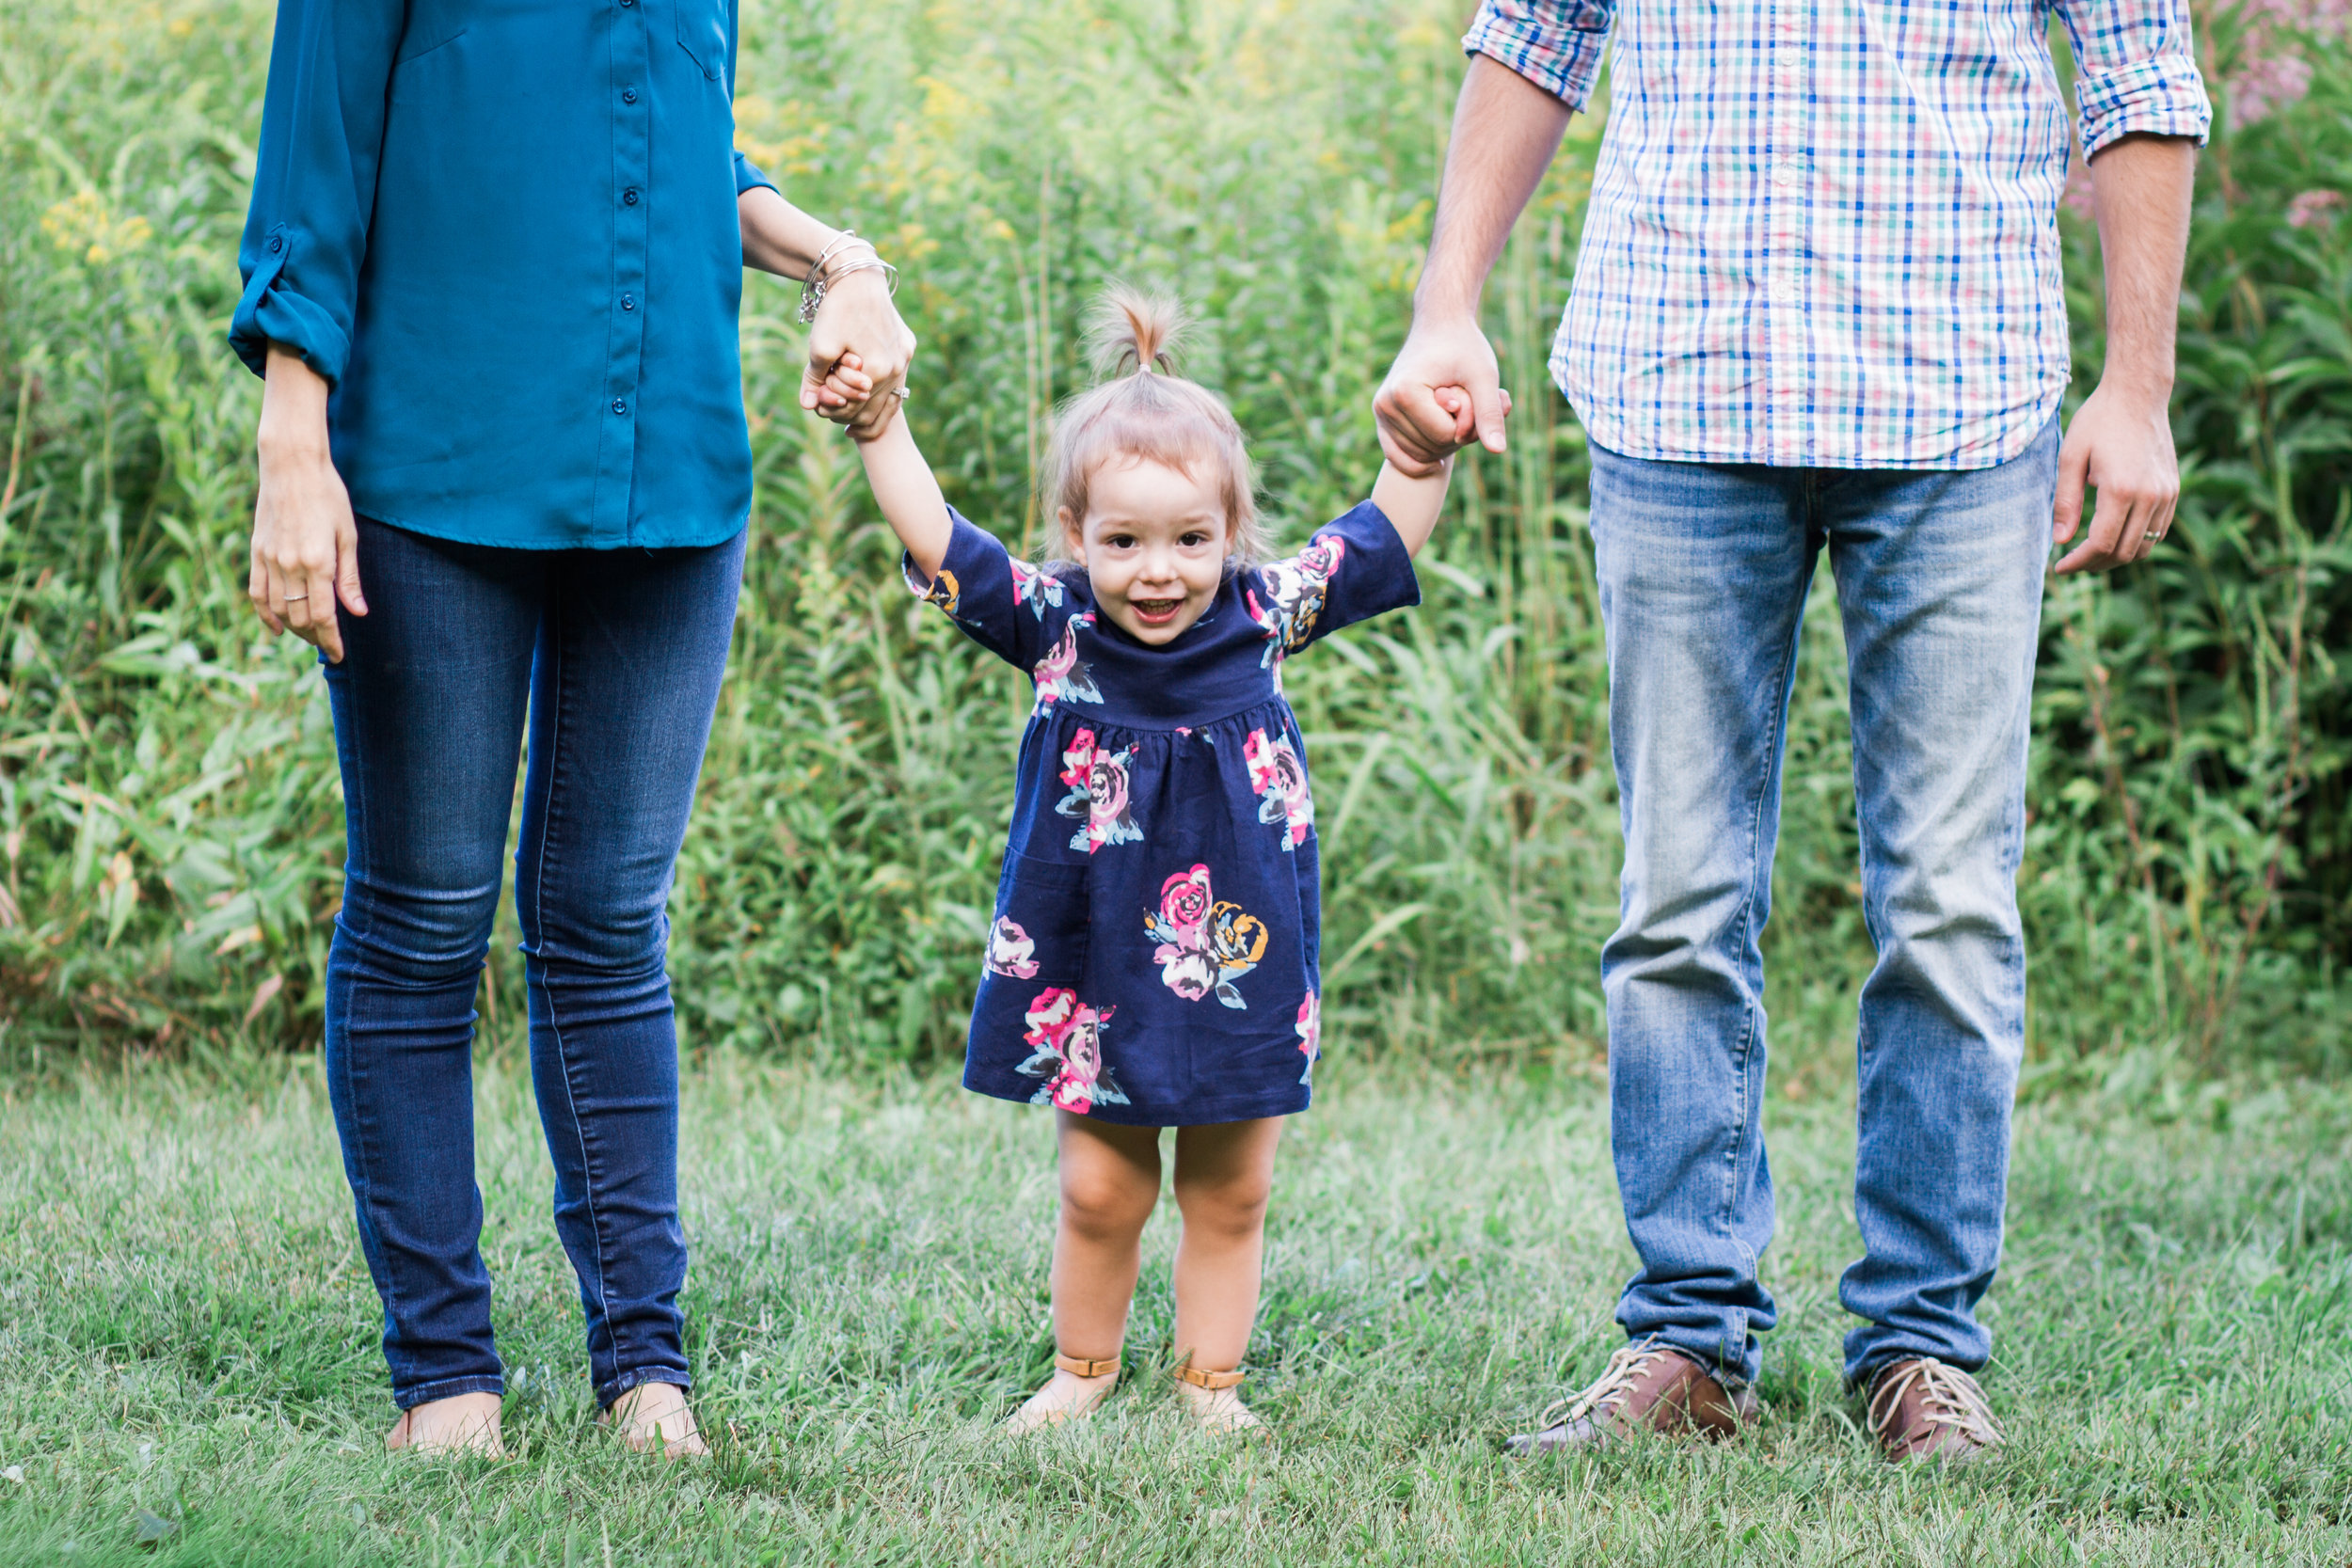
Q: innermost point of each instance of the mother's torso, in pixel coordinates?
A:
(542, 341)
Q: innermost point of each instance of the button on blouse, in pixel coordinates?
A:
(505, 232)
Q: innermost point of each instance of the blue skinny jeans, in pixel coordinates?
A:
(1703, 571)
(610, 660)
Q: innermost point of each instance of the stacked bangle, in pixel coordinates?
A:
(814, 286)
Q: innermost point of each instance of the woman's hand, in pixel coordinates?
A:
(306, 548)
(858, 348)
(858, 354)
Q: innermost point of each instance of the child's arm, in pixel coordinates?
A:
(909, 495)
(1411, 505)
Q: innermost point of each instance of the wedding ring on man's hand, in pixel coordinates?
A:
(291, 597)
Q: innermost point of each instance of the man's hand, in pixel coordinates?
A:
(1444, 389)
(1443, 392)
(2122, 446)
(859, 324)
(306, 546)
(2120, 441)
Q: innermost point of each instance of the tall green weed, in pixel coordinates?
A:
(167, 793)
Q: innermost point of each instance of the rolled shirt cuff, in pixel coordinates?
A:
(2160, 97)
(273, 311)
(1537, 41)
(749, 177)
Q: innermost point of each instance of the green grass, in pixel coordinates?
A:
(186, 1328)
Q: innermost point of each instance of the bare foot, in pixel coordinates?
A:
(1219, 1410)
(654, 1417)
(1066, 1397)
(462, 1423)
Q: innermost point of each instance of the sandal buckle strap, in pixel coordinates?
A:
(1080, 1365)
(1211, 1381)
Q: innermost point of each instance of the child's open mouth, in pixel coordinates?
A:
(1156, 612)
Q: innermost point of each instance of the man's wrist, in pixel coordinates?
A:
(1446, 304)
(2135, 384)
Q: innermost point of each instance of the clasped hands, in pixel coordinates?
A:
(1443, 393)
(858, 354)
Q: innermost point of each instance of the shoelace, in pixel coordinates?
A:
(1950, 1397)
(1616, 1381)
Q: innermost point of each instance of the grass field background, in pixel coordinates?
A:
(187, 1339)
(189, 1331)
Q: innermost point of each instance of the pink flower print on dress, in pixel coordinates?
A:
(1060, 673)
(1067, 1040)
(1100, 783)
(1011, 951)
(1204, 945)
(1309, 1028)
(1034, 588)
(1296, 590)
(1280, 778)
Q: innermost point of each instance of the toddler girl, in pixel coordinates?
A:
(1152, 961)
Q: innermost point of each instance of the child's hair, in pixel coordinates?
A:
(1144, 409)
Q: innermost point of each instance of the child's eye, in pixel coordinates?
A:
(1194, 540)
(1119, 541)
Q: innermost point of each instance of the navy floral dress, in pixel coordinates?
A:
(1154, 955)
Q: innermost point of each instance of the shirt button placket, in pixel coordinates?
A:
(630, 63)
(1783, 192)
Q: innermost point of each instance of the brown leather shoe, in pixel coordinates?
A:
(1646, 1388)
(1920, 1408)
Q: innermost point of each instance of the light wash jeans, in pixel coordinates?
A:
(1703, 571)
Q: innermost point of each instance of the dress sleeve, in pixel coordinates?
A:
(1010, 608)
(747, 174)
(305, 233)
(1354, 568)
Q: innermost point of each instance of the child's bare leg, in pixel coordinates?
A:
(1224, 1174)
(1111, 1179)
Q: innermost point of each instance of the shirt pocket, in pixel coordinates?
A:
(420, 75)
(702, 32)
(1043, 919)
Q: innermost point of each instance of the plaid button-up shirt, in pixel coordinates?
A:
(1824, 232)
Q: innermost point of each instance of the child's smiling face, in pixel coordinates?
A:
(1153, 541)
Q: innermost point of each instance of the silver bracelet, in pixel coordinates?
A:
(813, 287)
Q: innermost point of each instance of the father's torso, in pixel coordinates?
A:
(1824, 234)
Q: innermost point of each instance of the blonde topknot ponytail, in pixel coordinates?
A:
(1130, 331)
(1158, 417)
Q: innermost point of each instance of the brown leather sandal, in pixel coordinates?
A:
(1039, 1411)
(1216, 1408)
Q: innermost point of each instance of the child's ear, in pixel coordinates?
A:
(1074, 537)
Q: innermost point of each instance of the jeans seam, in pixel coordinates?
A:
(389, 1291)
(555, 1026)
(1747, 910)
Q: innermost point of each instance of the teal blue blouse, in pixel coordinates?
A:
(505, 232)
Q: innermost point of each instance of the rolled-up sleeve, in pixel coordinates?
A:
(2135, 69)
(1556, 44)
(314, 179)
(747, 174)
